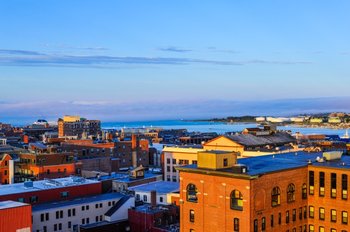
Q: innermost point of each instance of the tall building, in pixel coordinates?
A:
(285, 192)
(75, 126)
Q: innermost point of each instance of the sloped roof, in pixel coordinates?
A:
(252, 140)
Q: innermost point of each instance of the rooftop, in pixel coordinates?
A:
(124, 177)
(44, 184)
(79, 201)
(158, 186)
(274, 163)
(252, 140)
(11, 204)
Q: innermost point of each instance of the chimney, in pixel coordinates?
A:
(153, 198)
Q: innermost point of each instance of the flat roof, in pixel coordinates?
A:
(158, 186)
(260, 165)
(44, 184)
(11, 204)
(78, 201)
(124, 177)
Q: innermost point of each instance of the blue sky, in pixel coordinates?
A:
(132, 60)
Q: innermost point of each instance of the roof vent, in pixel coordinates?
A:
(28, 184)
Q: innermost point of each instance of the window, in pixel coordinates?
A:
(311, 228)
(236, 224)
(42, 217)
(276, 196)
(256, 225)
(225, 162)
(321, 229)
(333, 215)
(344, 186)
(96, 219)
(300, 213)
(191, 215)
(294, 215)
(21, 199)
(321, 214)
(45, 229)
(33, 199)
(311, 212)
(87, 207)
(344, 217)
(137, 197)
(5, 173)
(47, 216)
(60, 226)
(61, 214)
(83, 221)
(304, 192)
(279, 218)
(101, 205)
(321, 189)
(271, 220)
(333, 230)
(333, 185)
(73, 212)
(64, 194)
(311, 182)
(48, 171)
(305, 212)
(291, 193)
(236, 200)
(96, 206)
(69, 212)
(287, 216)
(160, 199)
(69, 225)
(168, 161)
(57, 214)
(145, 198)
(55, 227)
(191, 193)
(83, 208)
(263, 224)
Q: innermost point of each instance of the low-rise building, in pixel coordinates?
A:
(15, 216)
(70, 215)
(164, 192)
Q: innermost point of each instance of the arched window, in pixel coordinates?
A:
(192, 193)
(304, 191)
(291, 193)
(276, 196)
(236, 200)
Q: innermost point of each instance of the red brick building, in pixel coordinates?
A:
(4, 168)
(287, 192)
(15, 216)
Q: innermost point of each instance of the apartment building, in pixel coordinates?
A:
(77, 127)
(70, 215)
(286, 192)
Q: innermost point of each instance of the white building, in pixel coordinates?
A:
(178, 156)
(69, 215)
(164, 191)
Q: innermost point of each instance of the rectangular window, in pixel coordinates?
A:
(69, 212)
(344, 186)
(311, 182)
(263, 224)
(287, 216)
(333, 185)
(321, 214)
(55, 227)
(42, 217)
(61, 214)
(73, 212)
(83, 221)
(344, 217)
(60, 226)
(83, 208)
(64, 194)
(145, 198)
(256, 225)
(321, 181)
(311, 228)
(45, 229)
(191, 215)
(294, 215)
(236, 224)
(321, 229)
(47, 216)
(168, 161)
(333, 230)
(305, 212)
(57, 214)
(311, 212)
(225, 163)
(21, 199)
(69, 225)
(279, 218)
(96, 206)
(333, 215)
(87, 207)
(300, 213)
(33, 199)
(271, 220)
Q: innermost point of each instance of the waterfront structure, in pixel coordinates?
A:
(70, 215)
(15, 216)
(77, 127)
(316, 120)
(334, 120)
(284, 192)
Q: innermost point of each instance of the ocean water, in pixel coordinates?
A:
(217, 127)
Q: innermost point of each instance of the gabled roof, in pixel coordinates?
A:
(115, 207)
